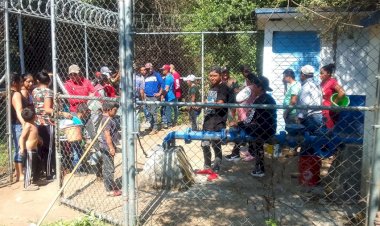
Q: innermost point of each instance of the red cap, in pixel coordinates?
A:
(165, 67)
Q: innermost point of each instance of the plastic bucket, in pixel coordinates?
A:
(344, 102)
(269, 148)
(309, 167)
(73, 133)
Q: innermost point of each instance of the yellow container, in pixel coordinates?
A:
(269, 148)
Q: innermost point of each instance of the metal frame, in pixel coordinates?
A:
(8, 85)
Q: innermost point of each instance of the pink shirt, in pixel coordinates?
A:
(328, 89)
(83, 88)
(177, 85)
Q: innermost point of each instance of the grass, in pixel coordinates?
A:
(89, 220)
(4, 158)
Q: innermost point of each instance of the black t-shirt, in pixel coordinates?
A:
(216, 118)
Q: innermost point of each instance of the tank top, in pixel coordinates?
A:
(24, 103)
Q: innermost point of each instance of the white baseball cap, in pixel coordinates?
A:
(189, 78)
(307, 70)
(105, 71)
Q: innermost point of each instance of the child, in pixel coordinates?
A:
(215, 118)
(107, 141)
(29, 141)
(194, 96)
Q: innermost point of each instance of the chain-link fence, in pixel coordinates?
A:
(271, 164)
(5, 170)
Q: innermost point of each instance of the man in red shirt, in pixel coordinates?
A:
(79, 86)
(177, 90)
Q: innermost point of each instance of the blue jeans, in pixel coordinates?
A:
(16, 133)
(169, 113)
(152, 110)
(77, 152)
(164, 120)
(176, 113)
(193, 115)
(313, 124)
(108, 170)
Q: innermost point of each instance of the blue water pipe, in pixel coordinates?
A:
(323, 146)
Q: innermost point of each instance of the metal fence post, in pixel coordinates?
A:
(8, 85)
(86, 49)
(127, 121)
(374, 202)
(21, 44)
(203, 65)
(54, 71)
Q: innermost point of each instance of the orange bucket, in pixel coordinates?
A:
(309, 167)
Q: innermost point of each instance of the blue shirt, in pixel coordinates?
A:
(169, 82)
(153, 83)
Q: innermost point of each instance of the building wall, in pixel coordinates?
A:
(356, 55)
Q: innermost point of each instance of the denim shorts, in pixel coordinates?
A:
(16, 133)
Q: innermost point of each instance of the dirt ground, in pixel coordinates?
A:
(21, 208)
(235, 198)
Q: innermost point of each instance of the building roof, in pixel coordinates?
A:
(275, 10)
(372, 19)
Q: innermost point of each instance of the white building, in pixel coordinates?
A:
(291, 41)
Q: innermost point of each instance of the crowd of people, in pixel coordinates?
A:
(32, 118)
(32, 114)
(262, 123)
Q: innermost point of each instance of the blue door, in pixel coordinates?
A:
(294, 49)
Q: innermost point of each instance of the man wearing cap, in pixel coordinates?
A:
(291, 95)
(177, 90)
(260, 123)
(114, 79)
(168, 93)
(79, 86)
(193, 96)
(153, 92)
(310, 95)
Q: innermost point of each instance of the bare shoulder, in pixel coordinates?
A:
(16, 95)
(27, 126)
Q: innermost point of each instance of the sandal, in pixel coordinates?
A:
(31, 187)
(114, 193)
(249, 158)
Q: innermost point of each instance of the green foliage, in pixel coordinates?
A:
(229, 50)
(271, 222)
(89, 220)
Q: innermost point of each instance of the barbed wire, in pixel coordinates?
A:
(77, 12)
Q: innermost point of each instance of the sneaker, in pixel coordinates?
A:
(244, 153)
(248, 158)
(216, 165)
(145, 125)
(232, 157)
(216, 168)
(257, 173)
